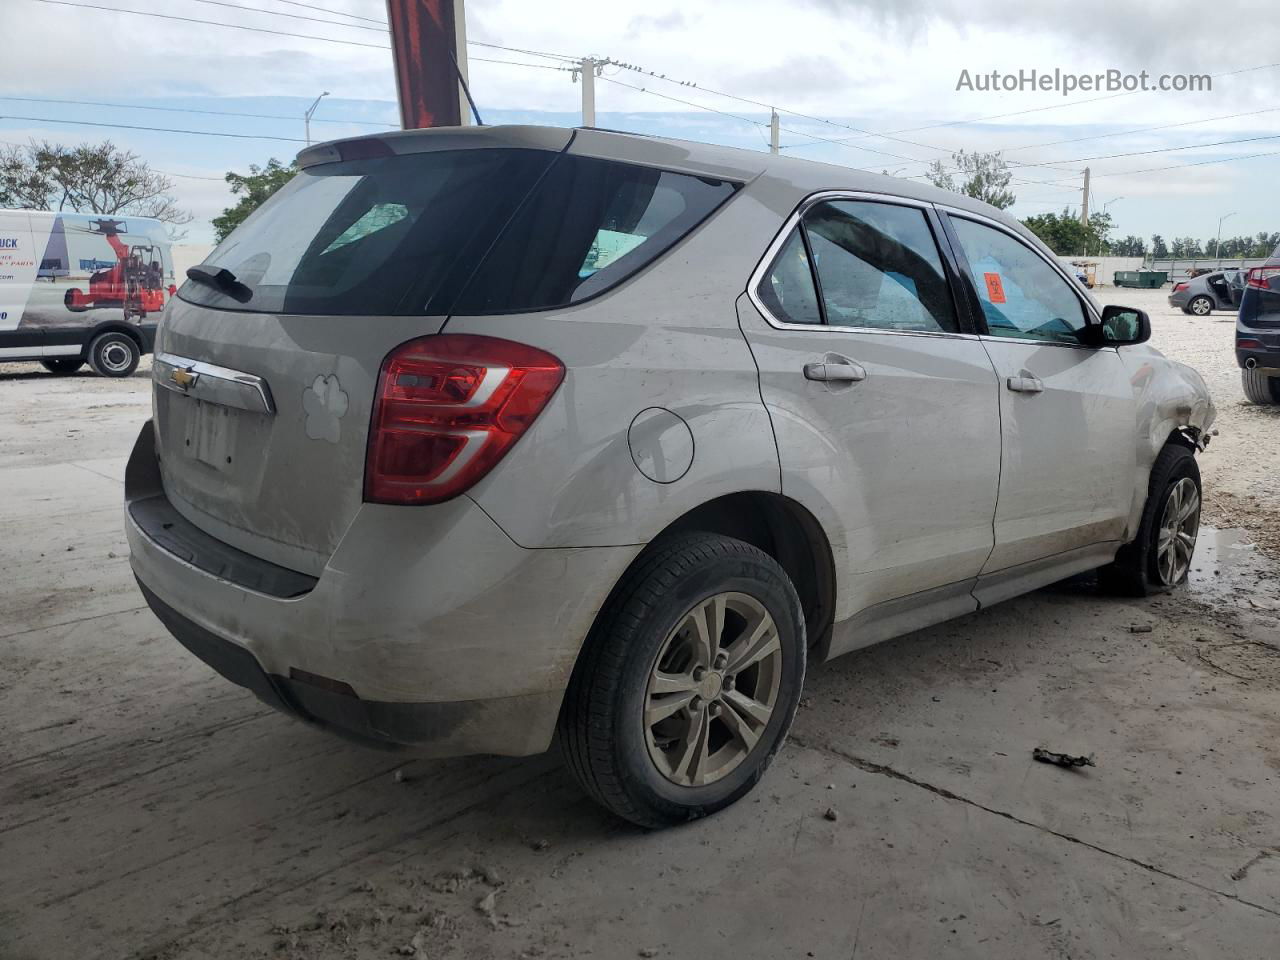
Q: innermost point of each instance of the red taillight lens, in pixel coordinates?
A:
(448, 408)
(1177, 287)
(1261, 278)
(1244, 343)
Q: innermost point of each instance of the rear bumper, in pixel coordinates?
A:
(1178, 299)
(1265, 355)
(428, 628)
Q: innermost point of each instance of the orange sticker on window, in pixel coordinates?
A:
(995, 289)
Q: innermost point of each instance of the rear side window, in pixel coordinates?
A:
(863, 264)
(878, 267)
(387, 235)
(589, 225)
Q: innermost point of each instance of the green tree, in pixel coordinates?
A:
(1158, 249)
(1130, 246)
(983, 176)
(90, 178)
(253, 189)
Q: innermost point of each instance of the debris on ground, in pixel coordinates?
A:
(1062, 759)
(1140, 628)
(540, 845)
(832, 813)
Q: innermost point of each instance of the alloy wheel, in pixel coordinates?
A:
(1200, 307)
(712, 689)
(1179, 528)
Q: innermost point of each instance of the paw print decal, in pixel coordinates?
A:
(325, 403)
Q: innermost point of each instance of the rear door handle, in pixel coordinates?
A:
(835, 372)
(1025, 385)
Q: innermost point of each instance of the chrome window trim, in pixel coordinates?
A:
(775, 246)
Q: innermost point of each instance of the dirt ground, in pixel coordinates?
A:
(150, 809)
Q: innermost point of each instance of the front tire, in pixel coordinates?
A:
(63, 365)
(1259, 388)
(1159, 558)
(688, 683)
(114, 354)
(1200, 306)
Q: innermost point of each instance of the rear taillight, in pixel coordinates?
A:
(1261, 278)
(448, 408)
(1178, 287)
(1247, 343)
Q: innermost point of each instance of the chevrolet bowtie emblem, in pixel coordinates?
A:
(183, 378)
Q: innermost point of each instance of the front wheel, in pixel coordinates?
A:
(688, 683)
(114, 354)
(1260, 388)
(1159, 558)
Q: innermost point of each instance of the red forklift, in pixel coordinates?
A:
(135, 283)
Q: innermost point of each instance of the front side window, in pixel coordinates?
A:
(1022, 296)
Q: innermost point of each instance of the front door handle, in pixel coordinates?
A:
(1025, 385)
(835, 372)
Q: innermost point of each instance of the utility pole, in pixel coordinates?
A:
(773, 131)
(1217, 244)
(306, 118)
(1084, 202)
(587, 69)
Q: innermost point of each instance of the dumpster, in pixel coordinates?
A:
(1144, 279)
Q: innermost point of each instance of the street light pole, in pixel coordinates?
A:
(310, 111)
(1217, 244)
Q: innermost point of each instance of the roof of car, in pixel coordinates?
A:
(786, 175)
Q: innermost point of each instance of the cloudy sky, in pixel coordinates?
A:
(836, 70)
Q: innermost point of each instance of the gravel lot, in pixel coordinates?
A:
(149, 809)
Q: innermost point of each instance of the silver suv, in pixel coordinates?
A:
(469, 436)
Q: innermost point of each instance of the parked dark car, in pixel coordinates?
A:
(1201, 295)
(1258, 333)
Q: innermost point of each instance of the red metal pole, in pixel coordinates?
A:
(423, 47)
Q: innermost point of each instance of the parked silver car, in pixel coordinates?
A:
(471, 435)
(1201, 295)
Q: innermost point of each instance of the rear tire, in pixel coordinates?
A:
(661, 726)
(114, 354)
(1200, 306)
(1260, 388)
(63, 365)
(1141, 567)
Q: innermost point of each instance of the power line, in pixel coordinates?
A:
(214, 23)
(212, 113)
(286, 33)
(338, 13)
(291, 16)
(132, 126)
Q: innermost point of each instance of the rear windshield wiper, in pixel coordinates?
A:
(222, 280)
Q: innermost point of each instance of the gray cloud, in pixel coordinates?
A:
(1168, 35)
(657, 22)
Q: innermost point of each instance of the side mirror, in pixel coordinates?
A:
(1120, 327)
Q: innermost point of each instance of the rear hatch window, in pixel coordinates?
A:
(1260, 302)
(461, 231)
